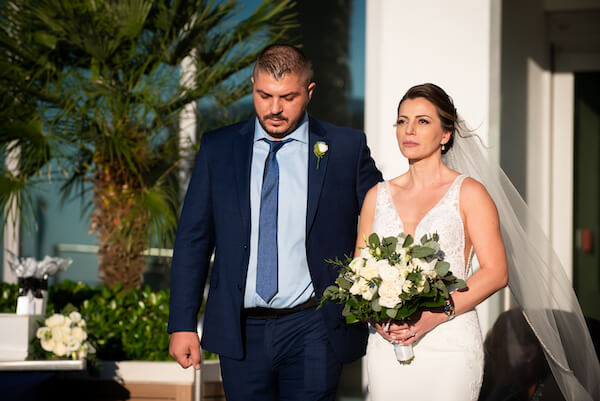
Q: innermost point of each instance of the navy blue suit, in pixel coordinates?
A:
(216, 216)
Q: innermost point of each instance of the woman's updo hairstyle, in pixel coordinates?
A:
(443, 104)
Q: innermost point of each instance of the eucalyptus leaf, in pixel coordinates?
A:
(442, 267)
(391, 312)
(374, 240)
(460, 284)
(421, 252)
(407, 241)
(375, 305)
(343, 283)
(350, 319)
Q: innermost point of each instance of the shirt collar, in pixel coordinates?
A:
(300, 134)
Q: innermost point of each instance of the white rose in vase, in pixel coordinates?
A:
(59, 349)
(73, 345)
(78, 334)
(55, 320)
(47, 344)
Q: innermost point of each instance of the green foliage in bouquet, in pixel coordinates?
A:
(392, 278)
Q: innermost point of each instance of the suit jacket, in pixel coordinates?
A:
(216, 216)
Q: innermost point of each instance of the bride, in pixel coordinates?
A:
(491, 221)
(430, 198)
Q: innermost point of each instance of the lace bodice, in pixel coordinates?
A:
(444, 218)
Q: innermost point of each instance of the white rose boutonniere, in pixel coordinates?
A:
(319, 150)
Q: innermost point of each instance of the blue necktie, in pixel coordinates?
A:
(267, 263)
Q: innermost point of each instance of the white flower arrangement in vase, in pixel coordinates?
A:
(64, 336)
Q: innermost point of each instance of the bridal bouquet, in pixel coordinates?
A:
(391, 279)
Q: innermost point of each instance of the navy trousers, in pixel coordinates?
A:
(289, 358)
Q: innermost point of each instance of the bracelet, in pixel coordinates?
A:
(449, 308)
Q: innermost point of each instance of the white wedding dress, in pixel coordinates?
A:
(449, 360)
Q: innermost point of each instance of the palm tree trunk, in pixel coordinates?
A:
(121, 232)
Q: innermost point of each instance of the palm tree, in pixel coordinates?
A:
(91, 93)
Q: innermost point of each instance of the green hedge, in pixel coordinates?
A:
(128, 325)
(8, 297)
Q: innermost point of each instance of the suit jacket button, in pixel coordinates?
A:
(245, 246)
(239, 286)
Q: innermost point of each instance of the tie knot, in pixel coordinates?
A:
(274, 146)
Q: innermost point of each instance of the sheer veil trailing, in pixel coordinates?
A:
(538, 283)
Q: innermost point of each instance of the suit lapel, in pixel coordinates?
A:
(316, 176)
(242, 157)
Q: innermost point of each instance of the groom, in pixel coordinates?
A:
(273, 197)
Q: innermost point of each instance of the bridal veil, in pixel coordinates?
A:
(545, 301)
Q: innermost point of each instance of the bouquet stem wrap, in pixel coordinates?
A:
(404, 353)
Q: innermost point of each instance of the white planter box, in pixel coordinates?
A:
(155, 372)
(146, 371)
(16, 331)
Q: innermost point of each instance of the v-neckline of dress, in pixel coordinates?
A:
(428, 212)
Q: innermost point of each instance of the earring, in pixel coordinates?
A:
(443, 147)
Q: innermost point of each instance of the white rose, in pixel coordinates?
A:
(83, 351)
(388, 272)
(66, 334)
(47, 344)
(59, 349)
(57, 334)
(421, 284)
(55, 320)
(43, 332)
(359, 286)
(357, 264)
(323, 148)
(73, 345)
(78, 334)
(76, 316)
(423, 265)
(369, 292)
(365, 253)
(370, 271)
(401, 251)
(389, 293)
(67, 322)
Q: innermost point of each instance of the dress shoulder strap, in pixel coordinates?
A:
(453, 194)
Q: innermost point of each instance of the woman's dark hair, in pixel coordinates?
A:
(443, 104)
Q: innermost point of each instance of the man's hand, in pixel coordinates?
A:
(185, 348)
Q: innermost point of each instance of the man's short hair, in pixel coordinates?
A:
(279, 60)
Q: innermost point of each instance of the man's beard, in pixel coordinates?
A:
(294, 124)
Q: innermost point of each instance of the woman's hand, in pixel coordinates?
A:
(407, 333)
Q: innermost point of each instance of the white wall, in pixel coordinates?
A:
(447, 43)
